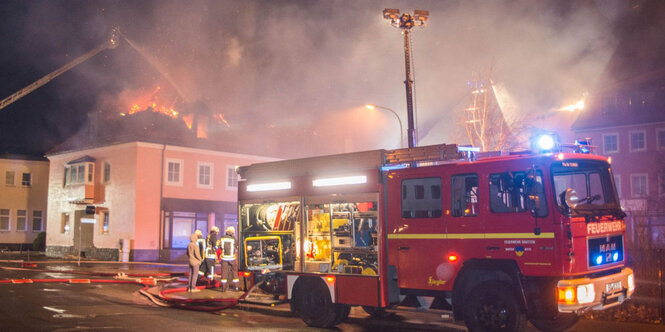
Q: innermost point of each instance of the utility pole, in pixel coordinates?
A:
(405, 22)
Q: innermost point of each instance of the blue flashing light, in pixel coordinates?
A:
(599, 260)
(615, 257)
(393, 167)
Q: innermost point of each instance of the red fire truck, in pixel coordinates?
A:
(497, 240)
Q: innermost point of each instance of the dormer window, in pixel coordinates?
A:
(80, 171)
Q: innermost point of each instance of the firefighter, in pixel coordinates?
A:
(200, 241)
(211, 253)
(229, 267)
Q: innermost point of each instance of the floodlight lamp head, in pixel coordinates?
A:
(391, 15)
(420, 16)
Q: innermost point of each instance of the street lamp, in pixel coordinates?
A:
(405, 22)
(401, 129)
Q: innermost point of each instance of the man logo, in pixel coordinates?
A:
(519, 251)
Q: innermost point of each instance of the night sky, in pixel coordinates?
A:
(302, 69)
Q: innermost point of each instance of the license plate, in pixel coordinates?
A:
(613, 286)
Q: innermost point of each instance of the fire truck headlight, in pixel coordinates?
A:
(631, 282)
(585, 293)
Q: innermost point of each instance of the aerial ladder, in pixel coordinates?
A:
(111, 43)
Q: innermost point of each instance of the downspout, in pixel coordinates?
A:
(162, 215)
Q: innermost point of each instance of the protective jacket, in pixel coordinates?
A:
(228, 246)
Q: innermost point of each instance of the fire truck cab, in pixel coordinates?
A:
(497, 240)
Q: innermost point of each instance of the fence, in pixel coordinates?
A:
(648, 267)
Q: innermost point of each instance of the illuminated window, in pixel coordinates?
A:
(638, 141)
(4, 219)
(610, 143)
(21, 220)
(64, 223)
(105, 222)
(9, 178)
(37, 221)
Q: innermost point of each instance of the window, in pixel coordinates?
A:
(660, 138)
(510, 192)
(76, 173)
(26, 180)
(21, 220)
(231, 177)
(608, 104)
(64, 223)
(610, 143)
(4, 219)
(617, 182)
(105, 222)
(638, 185)
(464, 194)
(107, 172)
(205, 175)
(36, 221)
(174, 171)
(638, 141)
(9, 178)
(421, 198)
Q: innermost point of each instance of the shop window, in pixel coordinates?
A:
(421, 198)
(26, 180)
(638, 141)
(610, 143)
(64, 222)
(21, 220)
(174, 172)
(4, 219)
(9, 178)
(37, 221)
(464, 194)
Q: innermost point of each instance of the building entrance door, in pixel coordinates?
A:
(83, 232)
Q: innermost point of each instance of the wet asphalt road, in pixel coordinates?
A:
(120, 307)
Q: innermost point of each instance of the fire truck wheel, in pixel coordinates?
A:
(313, 304)
(342, 313)
(493, 306)
(559, 323)
(376, 312)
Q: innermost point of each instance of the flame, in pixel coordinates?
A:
(151, 102)
(220, 118)
(574, 107)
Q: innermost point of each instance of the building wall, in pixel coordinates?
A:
(117, 196)
(132, 196)
(18, 197)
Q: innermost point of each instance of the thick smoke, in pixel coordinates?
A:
(293, 76)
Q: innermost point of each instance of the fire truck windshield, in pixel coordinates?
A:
(592, 180)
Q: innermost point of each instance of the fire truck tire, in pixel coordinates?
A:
(342, 312)
(376, 312)
(493, 306)
(313, 304)
(559, 323)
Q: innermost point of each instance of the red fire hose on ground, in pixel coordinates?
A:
(160, 297)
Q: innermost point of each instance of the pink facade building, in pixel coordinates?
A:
(138, 199)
